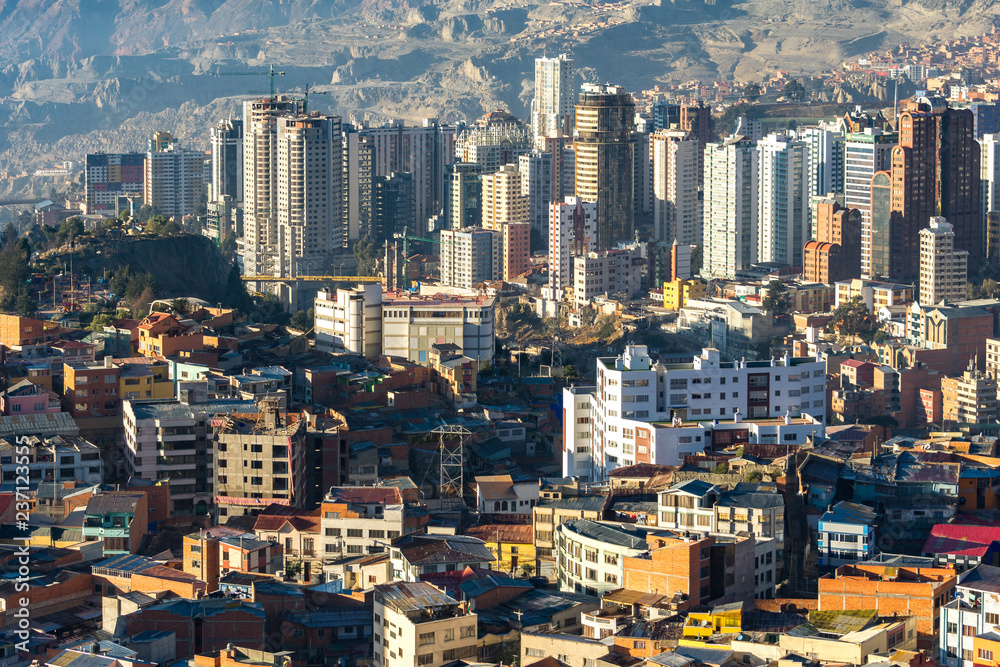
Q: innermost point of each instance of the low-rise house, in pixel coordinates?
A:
(416, 555)
(119, 520)
(298, 532)
(590, 556)
(500, 494)
(365, 520)
(550, 512)
(200, 626)
(689, 506)
(28, 398)
(416, 623)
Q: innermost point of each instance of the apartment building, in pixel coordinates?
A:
(110, 176)
(417, 623)
(572, 232)
(117, 520)
(969, 399)
(944, 271)
(414, 555)
(638, 410)
(875, 295)
(677, 213)
(172, 439)
(729, 208)
(412, 323)
(502, 198)
(618, 271)
(91, 388)
(174, 180)
(552, 105)
(259, 459)
(680, 568)
(550, 513)
(62, 458)
(846, 535)
(974, 612)
(364, 520)
(470, 257)
(349, 320)
(590, 555)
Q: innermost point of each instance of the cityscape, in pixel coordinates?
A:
(704, 374)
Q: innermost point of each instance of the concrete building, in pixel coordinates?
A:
(349, 320)
(634, 401)
(944, 271)
(470, 257)
(875, 295)
(539, 176)
(671, 566)
(502, 198)
(572, 232)
(174, 180)
(677, 213)
(846, 535)
(172, 439)
(825, 162)
(688, 506)
(309, 195)
(590, 555)
(969, 399)
(415, 555)
(516, 249)
(118, 520)
(260, 183)
(604, 148)
(110, 176)
(865, 153)
(411, 324)
(227, 160)
(357, 182)
(835, 252)
(463, 195)
(974, 612)
(730, 208)
(783, 201)
(494, 140)
(552, 105)
(617, 271)
(416, 623)
(259, 459)
(365, 520)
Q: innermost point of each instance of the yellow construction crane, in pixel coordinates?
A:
(312, 279)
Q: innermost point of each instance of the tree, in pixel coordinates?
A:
(180, 306)
(69, 229)
(795, 90)
(777, 300)
(751, 92)
(528, 569)
(366, 254)
(755, 477)
(697, 259)
(25, 304)
(852, 318)
(162, 226)
(146, 212)
(302, 320)
(721, 469)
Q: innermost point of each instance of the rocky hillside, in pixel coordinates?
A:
(80, 76)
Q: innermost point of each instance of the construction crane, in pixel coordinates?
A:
(406, 238)
(305, 99)
(311, 279)
(270, 73)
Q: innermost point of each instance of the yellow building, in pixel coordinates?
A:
(986, 650)
(144, 378)
(724, 619)
(513, 545)
(678, 291)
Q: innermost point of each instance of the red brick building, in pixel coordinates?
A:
(202, 626)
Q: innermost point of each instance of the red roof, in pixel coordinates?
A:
(366, 494)
(960, 539)
(853, 363)
(274, 522)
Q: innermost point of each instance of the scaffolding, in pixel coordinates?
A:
(451, 482)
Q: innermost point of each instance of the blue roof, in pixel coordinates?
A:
(127, 563)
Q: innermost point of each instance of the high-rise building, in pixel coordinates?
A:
(572, 232)
(309, 195)
(986, 118)
(358, 181)
(502, 198)
(835, 253)
(349, 320)
(730, 208)
(604, 150)
(516, 249)
(463, 201)
(825, 169)
(495, 139)
(943, 269)
(666, 115)
(783, 204)
(227, 160)
(260, 183)
(698, 122)
(113, 175)
(934, 170)
(676, 203)
(552, 106)
(642, 170)
(617, 271)
(989, 150)
(536, 186)
(421, 150)
(393, 207)
(174, 179)
(865, 153)
(469, 257)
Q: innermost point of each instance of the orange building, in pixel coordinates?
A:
(516, 249)
(906, 591)
(673, 564)
(16, 331)
(835, 254)
(162, 334)
(986, 650)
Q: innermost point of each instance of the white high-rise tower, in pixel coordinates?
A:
(552, 106)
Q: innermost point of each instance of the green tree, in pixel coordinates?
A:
(852, 318)
(751, 92)
(181, 306)
(697, 259)
(69, 229)
(755, 477)
(162, 226)
(146, 212)
(794, 90)
(366, 253)
(528, 569)
(721, 469)
(777, 300)
(25, 304)
(302, 320)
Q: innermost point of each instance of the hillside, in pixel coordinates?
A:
(78, 77)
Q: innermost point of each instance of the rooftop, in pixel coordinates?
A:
(622, 535)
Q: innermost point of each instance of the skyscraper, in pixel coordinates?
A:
(783, 216)
(359, 172)
(934, 170)
(676, 206)
(309, 194)
(463, 202)
(730, 208)
(552, 106)
(865, 153)
(174, 179)
(227, 160)
(604, 160)
(835, 253)
(260, 166)
(943, 269)
(572, 232)
(825, 169)
(113, 175)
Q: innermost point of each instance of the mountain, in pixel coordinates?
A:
(88, 75)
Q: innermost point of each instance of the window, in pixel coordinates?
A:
(993, 619)
(468, 631)
(968, 630)
(640, 645)
(449, 634)
(985, 654)
(425, 659)
(355, 532)
(535, 653)
(425, 638)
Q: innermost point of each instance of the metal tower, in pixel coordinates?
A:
(452, 484)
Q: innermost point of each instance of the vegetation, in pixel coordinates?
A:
(721, 469)
(162, 226)
(853, 320)
(14, 274)
(988, 289)
(366, 252)
(302, 320)
(751, 92)
(795, 91)
(777, 300)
